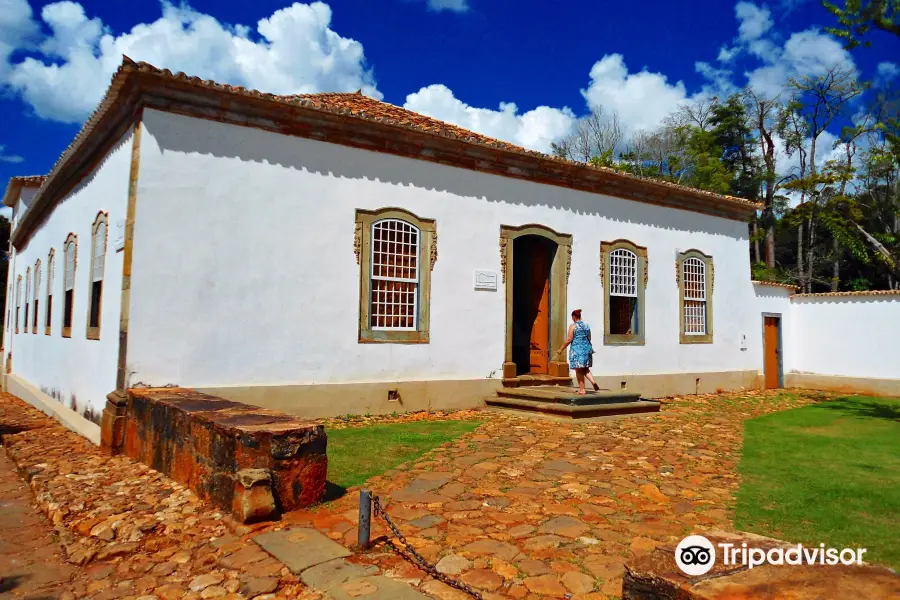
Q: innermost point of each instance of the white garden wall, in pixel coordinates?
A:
(848, 336)
(76, 371)
(244, 271)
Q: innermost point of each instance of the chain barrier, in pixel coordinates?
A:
(409, 553)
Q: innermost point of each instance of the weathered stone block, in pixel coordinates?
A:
(253, 499)
(221, 449)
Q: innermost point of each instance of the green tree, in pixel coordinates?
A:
(857, 17)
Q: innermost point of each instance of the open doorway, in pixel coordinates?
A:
(532, 300)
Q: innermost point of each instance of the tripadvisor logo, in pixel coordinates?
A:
(695, 555)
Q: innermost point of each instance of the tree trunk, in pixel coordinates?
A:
(770, 246)
(756, 257)
(801, 273)
(836, 265)
(811, 246)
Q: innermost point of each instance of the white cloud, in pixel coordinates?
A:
(727, 54)
(294, 50)
(17, 29)
(809, 52)
(642, 100)
(9, 158)
(888, 71)
(754, 20)
(451, 5)
(534, 129)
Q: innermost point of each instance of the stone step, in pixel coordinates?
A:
(573, 411)
(567, 395)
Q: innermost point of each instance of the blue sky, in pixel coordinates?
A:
(465, 61)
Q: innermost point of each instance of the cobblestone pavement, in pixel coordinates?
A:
(527, 508)
(520, 508)
(31, 562)
(135, 533)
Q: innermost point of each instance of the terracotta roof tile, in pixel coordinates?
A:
(776, 284)
(850, 294)
(18, 182)
(370, 108)
(358, 106)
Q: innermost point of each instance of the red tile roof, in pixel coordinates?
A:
(17, 183)
(776, 284)
(849, 294)
(354, 105)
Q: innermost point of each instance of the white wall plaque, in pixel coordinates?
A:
(119, 241)
(486, 280)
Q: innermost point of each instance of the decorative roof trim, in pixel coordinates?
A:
(787, 286)
(135, 85)
(19, 182)
(850, 294)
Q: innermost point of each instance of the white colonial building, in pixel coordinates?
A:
(330, 253)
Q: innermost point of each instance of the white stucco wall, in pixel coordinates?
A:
(244, 271)
(76, 370)
(773, 301)
(850, 336)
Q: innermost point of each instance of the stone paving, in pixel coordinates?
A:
(520, 508)
(527, 508)
(135, 533)
(31, 562)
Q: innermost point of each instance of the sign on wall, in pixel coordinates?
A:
(119, 241)
(486, 280)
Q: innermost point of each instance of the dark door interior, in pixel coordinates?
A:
(532, 262)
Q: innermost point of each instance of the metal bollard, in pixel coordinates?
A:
(363, 538)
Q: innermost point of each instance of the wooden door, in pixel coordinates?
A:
(772, 352)
(540, 330)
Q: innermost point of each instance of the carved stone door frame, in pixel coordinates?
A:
(559, 279)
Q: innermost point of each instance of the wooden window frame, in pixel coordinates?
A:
(66, 332)
(362, 246)
(93, 333)
(691, 338)
(48, 300)
(36, 296)
(606, 249)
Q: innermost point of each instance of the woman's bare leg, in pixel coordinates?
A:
(590, 377)
(579, 375)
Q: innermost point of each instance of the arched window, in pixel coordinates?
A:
(624, 273)
(18, 300)
(98, 264)
(71, 261)
(51, 272)
(27, 297)
(695, 286)
(396, 252)
(37, 295)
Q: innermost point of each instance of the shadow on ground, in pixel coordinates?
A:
(865, 407)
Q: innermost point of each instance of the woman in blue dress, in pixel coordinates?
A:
(580, 351)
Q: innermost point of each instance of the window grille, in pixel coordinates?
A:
(694, 277)
(394, 300)
(99, 252)
(51, 271)
(37, 280)
(70, 266)
(623, 273)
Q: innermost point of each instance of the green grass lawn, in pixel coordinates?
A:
(826, 473)
(356, 454)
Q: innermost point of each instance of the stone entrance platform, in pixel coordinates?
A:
(657, 577)
(252, 462)
(559, 401)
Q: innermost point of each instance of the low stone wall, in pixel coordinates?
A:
(254, 462)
